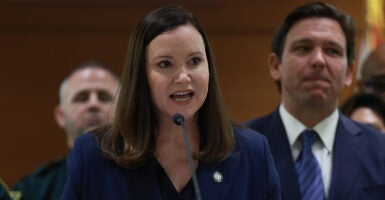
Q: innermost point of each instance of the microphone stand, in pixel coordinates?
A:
(179, 120)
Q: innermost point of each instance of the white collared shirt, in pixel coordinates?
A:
(322, 149)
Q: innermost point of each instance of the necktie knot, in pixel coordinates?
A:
(308, 138)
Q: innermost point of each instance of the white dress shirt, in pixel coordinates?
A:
(322, 149)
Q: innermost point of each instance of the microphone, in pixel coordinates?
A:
(179, 120)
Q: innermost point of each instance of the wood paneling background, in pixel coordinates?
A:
(41, 41)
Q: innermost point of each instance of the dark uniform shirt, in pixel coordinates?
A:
(47, 182)
(4, 191)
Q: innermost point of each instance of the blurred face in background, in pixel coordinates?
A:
(373, 73)
(374, 84)
(369, 117)
(87, 102)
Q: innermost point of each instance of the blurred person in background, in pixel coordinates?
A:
(368, 109)
(87, 101)
(372, 78)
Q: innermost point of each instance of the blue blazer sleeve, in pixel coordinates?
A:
(90, 175)
(72, 188)
(256, 174)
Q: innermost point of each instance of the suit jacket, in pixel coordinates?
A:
(248, 173)
(358, 170)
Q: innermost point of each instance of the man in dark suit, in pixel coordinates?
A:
(312, 61)
(86, 102)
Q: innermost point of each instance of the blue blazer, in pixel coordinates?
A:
(358, 170)
(248, 173)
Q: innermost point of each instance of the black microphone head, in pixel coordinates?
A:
(178, 119)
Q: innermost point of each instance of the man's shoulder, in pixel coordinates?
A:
(51, 167)
(358, 127)
(45, 172)
(45, 182)
(375, 138)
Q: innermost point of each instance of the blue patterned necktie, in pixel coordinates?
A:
(308, 169)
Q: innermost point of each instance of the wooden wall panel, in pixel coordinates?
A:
(247, 87)
(41, 42)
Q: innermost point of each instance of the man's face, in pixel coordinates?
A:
(313, 69)
(88, 102)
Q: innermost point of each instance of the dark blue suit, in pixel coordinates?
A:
(248, 173)
(358, 170)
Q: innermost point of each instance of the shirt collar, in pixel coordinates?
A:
(326, 129)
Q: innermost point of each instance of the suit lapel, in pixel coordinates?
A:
(142, 183)
(138, 183)
(280, 149)
(228, 168)
(348, 151)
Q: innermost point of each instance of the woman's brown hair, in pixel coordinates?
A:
(131, 139)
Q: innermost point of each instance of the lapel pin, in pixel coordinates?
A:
(217, 177)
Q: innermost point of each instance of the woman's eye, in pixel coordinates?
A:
(164, 64)
(195, 61)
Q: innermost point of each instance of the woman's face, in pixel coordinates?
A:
(177, 72)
